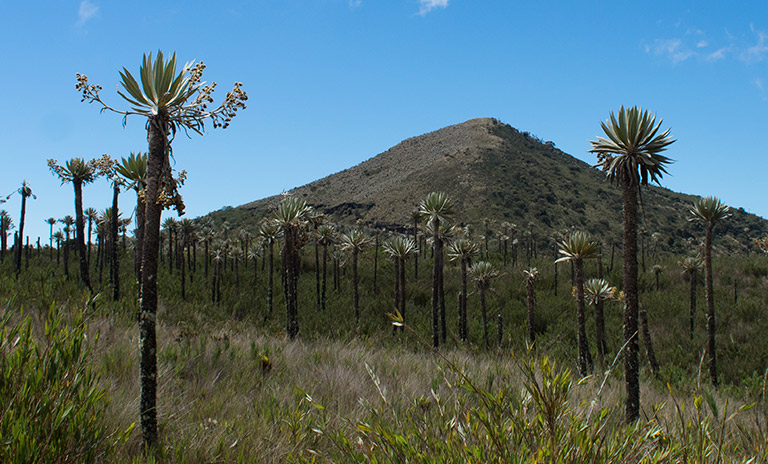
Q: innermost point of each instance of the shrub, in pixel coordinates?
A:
(51, 407)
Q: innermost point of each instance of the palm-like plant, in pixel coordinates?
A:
(657, 270)
(68, 222)
(290, 218)
(630, 156)
(710, 211)
(354, 243)
(58, 236)
(597, 292)
(92, 216)
(79, 172)
(483, 272)
(690, 267)
(463, 250)
(50, 221)
(169, 100)
(531, 275)
(26, 192)
(134, 171)
(577, 247)
(399, 248)
(326, 235)
(436, 209)
(6, 224)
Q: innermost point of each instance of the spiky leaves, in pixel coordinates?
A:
(631, 150)
(710, 210)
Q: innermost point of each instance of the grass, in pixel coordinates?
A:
(233, 389)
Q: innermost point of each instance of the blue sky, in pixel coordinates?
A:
(334, 82)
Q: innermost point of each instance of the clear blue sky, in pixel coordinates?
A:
(334, 82)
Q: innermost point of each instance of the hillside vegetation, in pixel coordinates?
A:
(491, 170)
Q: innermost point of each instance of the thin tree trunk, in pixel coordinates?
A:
(463, 301)
(114, 259)
(80, 234)
(355, 283)
(435, 284)
(531, 299)
(325, 275)
(271, 280)
(711, 328)
(585, 358)
(692, 299)
(484, 316)
(648, 343)
(17, 251)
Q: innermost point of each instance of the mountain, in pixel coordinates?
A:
(491, 170)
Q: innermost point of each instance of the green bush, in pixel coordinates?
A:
(51, 405)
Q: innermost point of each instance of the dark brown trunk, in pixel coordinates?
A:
(692, 298)
(376, 264)
(114, 259)
(416, 255)
(17, 250)
(139, 249)
(271, 279)
(711, 328)
(463, 301)
(631, 373)
(585, 358)
(435, 284)
(648, 343)
(157, 162)
(325, 275)
(531, 297)
(355, 284)
(80, 234)
(484, 316)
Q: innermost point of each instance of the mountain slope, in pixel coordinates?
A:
(492, 170)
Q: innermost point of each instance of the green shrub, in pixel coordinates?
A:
(51, 405)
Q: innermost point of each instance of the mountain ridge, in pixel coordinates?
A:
(492, 170)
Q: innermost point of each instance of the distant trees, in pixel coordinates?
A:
(630, 156)
(25, 191)
(6, 224)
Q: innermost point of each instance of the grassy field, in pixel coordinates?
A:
(233, 389)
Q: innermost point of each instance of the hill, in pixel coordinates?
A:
(492, 170)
